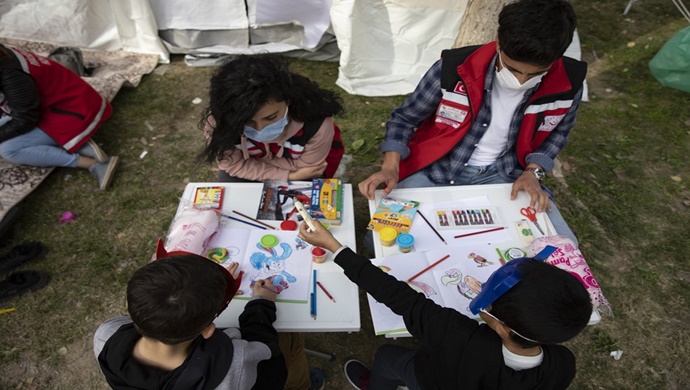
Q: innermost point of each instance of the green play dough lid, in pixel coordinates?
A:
(269, 241)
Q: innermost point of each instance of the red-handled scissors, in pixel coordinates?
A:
(531, 214)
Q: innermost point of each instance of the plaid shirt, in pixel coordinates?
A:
(425, 100)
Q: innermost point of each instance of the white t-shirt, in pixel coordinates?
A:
(520, 362)
(503, 104)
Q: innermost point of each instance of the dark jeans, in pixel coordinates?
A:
(393, 366)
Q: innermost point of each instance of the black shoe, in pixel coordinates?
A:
(23, 281)
(21, 253)
(357, 374)
(318, 380)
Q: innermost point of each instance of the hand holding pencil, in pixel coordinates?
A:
(265, 289)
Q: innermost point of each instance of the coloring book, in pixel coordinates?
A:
(278, 200)
(262, 254)
(452, 283)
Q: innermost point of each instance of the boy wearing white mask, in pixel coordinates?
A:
(496, 113)
(265, 122)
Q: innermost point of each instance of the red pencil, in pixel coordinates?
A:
(325, 291)
(427, 268)
(480, 232)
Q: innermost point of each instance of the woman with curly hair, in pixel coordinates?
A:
(265, 122)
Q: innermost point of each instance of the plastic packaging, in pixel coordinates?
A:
(569, 258)
(671, 64)
(191, 229)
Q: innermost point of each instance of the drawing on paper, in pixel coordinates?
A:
(270, 265)
(480, 260)
(422, 288)
(468, 286)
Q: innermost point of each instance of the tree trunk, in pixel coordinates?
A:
(480, 22)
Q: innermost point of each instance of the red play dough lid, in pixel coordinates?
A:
(288, 225)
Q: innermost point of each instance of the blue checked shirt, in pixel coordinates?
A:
(425, 100)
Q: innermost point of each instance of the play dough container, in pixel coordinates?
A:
(318, 255)
(387, 236)
(269, 241)
(288, 225)
(405, 242)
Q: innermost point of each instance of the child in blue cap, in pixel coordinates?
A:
(527, 306)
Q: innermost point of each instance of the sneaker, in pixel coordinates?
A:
(357, 374)
(318, 381)
(32, 250)
(91, 149)
(104, 171)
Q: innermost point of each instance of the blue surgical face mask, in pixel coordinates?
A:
(268, 133)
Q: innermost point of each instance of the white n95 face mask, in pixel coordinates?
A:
(268, 133)
(506, 79)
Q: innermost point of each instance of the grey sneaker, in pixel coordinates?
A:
(91, 149)
(104, 171)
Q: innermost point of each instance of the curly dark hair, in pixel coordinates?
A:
(245, 83)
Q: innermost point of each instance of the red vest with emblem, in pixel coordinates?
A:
(71, 110)
(294, 146)
(462, 83)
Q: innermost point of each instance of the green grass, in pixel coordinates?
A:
(618, 195)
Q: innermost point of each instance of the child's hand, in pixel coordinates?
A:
(232, 268)
(321, 237)
(264, 288)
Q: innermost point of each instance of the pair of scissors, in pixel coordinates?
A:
(531, 214)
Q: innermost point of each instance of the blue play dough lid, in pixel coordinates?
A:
(405, 239)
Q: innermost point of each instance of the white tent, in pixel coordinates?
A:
(386, 45)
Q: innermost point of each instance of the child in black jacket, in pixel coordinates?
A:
(514, 349)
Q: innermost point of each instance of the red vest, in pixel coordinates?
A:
(294, 146)
(71, 110)
(462, 85)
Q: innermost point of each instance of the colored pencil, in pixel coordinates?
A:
(314, 294)
(242, 221)
(325, 291)
(11, 309)
(427, 268)
(480, 232)
(431, 226)
(500, 256)
(253, 219)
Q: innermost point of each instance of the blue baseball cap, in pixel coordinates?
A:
(503, 279)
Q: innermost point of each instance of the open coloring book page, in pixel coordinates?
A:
(452, 283)
(277, 255)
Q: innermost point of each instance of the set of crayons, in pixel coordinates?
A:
(393, 224)
(466, 217)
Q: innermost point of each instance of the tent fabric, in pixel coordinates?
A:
(94, 24)
(385, 46)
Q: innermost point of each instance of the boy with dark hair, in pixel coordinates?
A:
(527, 306)
(495, 113)
(169, 341)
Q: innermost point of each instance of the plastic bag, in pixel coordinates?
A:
(191, 230)
(568, 257)
(671, 65)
